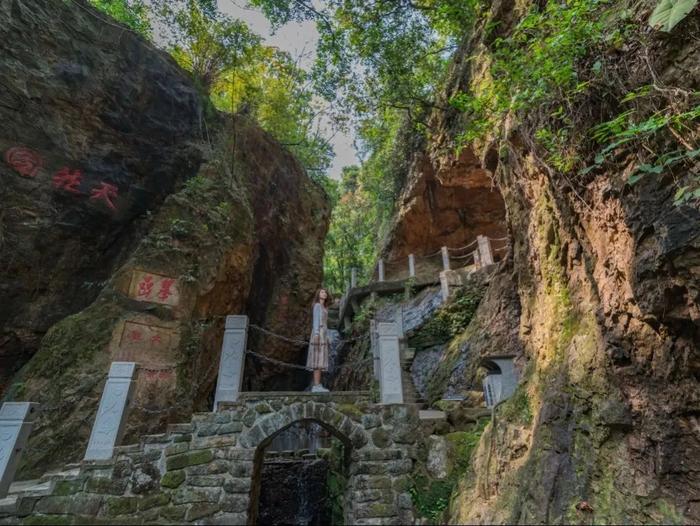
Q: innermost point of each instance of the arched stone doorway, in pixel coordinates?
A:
(352, 435)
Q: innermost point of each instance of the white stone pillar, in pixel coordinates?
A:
(486, 256)
(16, 421)
(411, 266)
(380, 270)
(445, 258)
(232, 362)
(444, 285)
(353, 277)
(477, 259)
(375, 347)
(390, 385)
(111, 414)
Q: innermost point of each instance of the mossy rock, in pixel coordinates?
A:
(172, 479)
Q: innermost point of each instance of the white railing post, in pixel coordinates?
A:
(445, 258)
(230, 380)
(380, 270)
(353, 277)
(477, 259)
(390, 385)
(485, 250)
(411, 266)
(111, 414)
(16, 421)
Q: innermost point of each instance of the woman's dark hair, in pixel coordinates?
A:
(317, 298)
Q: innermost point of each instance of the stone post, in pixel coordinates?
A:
(374, 346)
(353, 277)
(411, 266)
(486, 256)
(390, 385)
(380, 270)
(477, 259)
(16, 421)
(230, 379)
(445, 258)
(444, 285)
(111, 414)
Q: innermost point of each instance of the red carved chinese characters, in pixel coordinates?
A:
(165, 286)
(156, 339)
(68, 180)
(105, 192)
(24, 161)
(146, 286)
(135, 335)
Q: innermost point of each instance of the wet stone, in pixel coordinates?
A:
(249, 418)
(172, 479)
(191, 458)
(106, 486)
(186, 495)
(173, 513)
(231, 427)
(116, 506)
(212, 468)
(206, 480)
(153, 501)
(371, 421)
(200, 510)
(381, 438)
(235, 503)
(237, 485)
(207, 430)
(176, 449)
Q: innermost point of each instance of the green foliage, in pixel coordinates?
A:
(517, 407)
(431, 497)
(449, 321)
(131, 13)
(350, 242)
(209, 45)
(669, 13)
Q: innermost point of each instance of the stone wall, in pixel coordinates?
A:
(208, 471)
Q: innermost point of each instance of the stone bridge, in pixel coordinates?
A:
(208, 471)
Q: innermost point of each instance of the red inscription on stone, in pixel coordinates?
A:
(135, 336)
(24, 161)
(105, 192)
(68, 180)
(146, 286)
(165, 286)
(156, 339)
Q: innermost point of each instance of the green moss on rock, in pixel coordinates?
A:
(172, 479)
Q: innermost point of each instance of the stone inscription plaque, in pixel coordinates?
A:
(149, 345)
(154, 288)
(16, 420)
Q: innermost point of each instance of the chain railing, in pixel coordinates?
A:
(480, 252)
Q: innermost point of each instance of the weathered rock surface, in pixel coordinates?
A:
(598, 301)
(128, 233)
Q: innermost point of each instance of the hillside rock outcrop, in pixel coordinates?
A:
(134, 219)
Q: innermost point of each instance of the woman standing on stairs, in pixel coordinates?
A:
(317, 359)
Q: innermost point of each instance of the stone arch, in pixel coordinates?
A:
(266, 428)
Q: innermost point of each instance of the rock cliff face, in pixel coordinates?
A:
(134, 218)
(598, 301)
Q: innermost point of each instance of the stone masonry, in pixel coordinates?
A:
(208, 471)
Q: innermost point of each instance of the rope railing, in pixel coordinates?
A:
(479, 250)
(295, 340)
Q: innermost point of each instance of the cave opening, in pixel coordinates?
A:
(300, 476)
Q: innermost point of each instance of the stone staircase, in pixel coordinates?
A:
(432, 421)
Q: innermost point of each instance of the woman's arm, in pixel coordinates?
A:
(317, 319)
